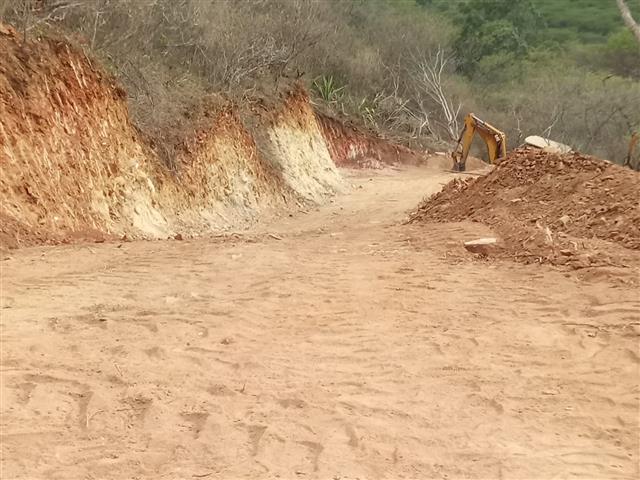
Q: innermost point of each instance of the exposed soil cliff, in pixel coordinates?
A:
(74, 166)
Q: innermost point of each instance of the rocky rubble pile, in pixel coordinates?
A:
(546, 207)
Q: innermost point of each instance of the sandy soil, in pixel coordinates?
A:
(338, 344)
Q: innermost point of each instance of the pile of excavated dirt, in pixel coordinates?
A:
(547, 207)
(74, 167)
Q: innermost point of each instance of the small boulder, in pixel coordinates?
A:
(482, 246)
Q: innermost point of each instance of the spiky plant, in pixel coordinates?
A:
(327, 88)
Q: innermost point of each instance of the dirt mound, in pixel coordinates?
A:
(547, 207)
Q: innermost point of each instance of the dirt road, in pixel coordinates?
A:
(336, 344)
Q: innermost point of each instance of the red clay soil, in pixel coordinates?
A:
(73, 166)
(353, 148)
(51, 103)
(14, 234)
(195, 153)
(547, 207)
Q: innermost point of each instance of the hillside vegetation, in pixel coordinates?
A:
(566, 69)
(590, 21)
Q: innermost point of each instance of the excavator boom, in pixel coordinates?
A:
(494, 139)
(633, 142)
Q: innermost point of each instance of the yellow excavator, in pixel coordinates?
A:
(629, 160)
(495, 140)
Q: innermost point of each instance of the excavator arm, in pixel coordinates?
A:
(494, 139)
(633, 142)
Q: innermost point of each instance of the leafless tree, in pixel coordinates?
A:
(430, 76)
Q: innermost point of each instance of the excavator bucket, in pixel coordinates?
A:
(458, 166)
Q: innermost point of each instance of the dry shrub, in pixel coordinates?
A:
(169, 53)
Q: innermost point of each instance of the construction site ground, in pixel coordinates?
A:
(338, 343)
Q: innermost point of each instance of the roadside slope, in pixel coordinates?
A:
(74, 166)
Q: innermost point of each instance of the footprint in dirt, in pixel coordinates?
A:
(139, 408)
(197, 421)
(156, 352)
(315, 449)
(292, 403)
(24, 391)
(83, 399)
(255, 435)
(353, 437)
(220, 390)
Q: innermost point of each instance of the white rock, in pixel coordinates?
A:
(565, 219)
(481, 245)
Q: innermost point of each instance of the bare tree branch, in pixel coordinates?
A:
(628, 19)
(430, 78)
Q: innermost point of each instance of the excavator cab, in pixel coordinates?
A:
(494, 139)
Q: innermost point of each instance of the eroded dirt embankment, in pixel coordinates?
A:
(351, 147)
(74, 166)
